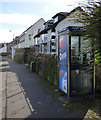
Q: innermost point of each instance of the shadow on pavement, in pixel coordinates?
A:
(14, 101)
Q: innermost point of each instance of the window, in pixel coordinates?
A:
(75, 49)
(55, 19)
(53, 43)
(44, 37)
(38, 30)
(53, 30)
(79, 54)
(22, 40)
(29, 37)
(53, 37)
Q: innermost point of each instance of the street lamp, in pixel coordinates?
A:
(12, 46)
(12, 33)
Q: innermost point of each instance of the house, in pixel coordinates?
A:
(26, 38)
(46, 40)
(69, 21)
(14, 45)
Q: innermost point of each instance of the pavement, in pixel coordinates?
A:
(24, 97)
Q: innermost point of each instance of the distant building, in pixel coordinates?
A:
(27, 37)
(14, 45)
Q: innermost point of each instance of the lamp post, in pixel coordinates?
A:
(12, 46)
(12, 34)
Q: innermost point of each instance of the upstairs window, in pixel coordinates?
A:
(53, 30)
(55, 19)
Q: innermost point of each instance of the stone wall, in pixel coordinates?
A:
(19, 55)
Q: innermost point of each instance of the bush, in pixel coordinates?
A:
(46, 66)
(51, 71)
(19, 58)
(10, 56)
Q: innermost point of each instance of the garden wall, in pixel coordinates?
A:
(46, 65)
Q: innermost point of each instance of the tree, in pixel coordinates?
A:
(92, 24)
(92, 28)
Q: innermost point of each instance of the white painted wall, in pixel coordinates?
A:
(32, 31)
(13, 50)
(70, 20)
(48, 40)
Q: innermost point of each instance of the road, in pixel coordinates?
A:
(24, 97)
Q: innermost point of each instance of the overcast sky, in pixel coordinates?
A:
(17, 15)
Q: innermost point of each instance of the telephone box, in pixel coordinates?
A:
(74, 56)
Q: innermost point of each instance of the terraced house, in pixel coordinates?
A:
(43, 36)
(46, 41)
(26, 39)
(66, 25)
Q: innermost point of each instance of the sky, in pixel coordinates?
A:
(17, 15)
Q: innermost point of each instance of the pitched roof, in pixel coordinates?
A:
(32, 25)
(45, 30)
(55, 24)
(49, 21)
(50, 27)
(60, 13)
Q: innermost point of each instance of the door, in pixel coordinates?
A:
(81, 77)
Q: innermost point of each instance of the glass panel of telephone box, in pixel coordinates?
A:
(81, 77)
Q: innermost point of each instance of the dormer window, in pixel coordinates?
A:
(55, 19)
(59, 16)
(48, 23)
